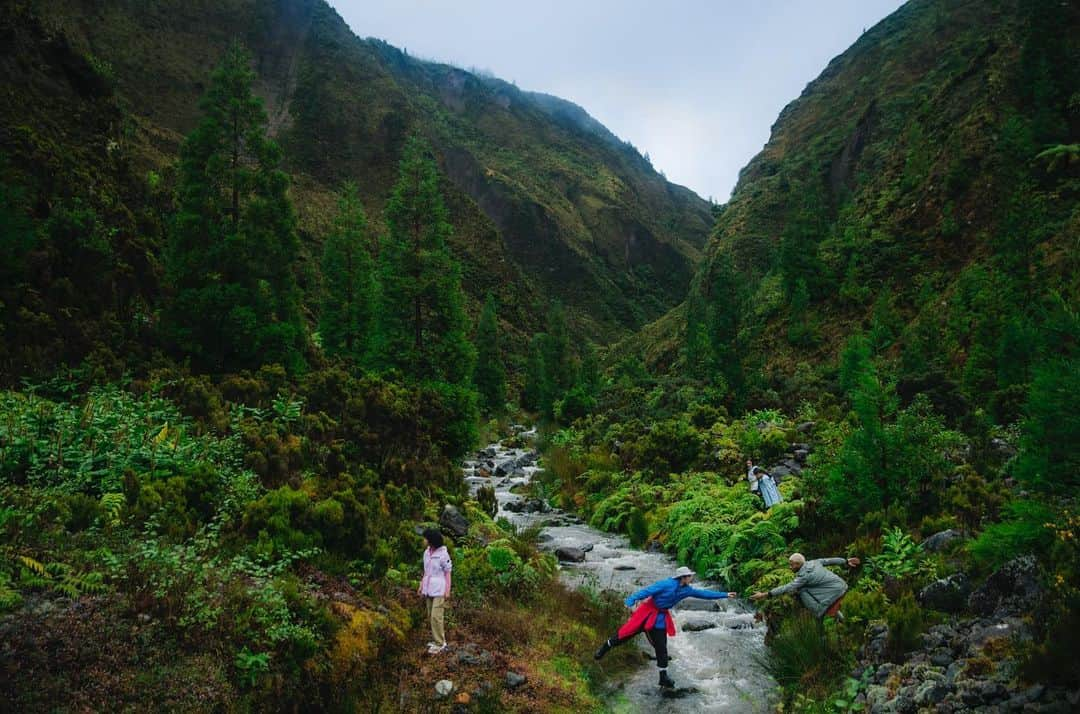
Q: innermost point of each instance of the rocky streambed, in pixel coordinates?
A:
(712, 656)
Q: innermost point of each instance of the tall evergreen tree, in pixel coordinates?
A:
(490, 374)
(558, 358)
(538, 393)
(349, 289)
(233, 244)
(422, 324)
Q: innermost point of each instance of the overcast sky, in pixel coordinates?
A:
(695, 84)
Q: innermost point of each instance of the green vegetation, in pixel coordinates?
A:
(233, 243)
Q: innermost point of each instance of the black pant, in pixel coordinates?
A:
(657, 637)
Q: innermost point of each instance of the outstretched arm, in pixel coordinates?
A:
(645, 592)
(710, 594)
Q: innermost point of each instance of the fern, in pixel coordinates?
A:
(112, 504)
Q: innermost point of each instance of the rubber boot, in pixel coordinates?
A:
(665, 681)
(604, 648)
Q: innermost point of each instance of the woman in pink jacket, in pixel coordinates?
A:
(435, 587)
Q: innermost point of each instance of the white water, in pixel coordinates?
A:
(714, 669)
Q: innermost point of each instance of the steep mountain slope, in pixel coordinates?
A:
(906, 193)
(546, 203)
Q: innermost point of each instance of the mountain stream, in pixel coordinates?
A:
(714, 666)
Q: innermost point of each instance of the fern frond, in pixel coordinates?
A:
(32, 565)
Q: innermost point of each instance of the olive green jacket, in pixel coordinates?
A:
(818, 587)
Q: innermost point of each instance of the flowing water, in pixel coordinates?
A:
(714, 669)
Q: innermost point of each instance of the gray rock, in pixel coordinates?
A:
(974, 692)
(942, 657)
(1012, 590)
(452, 520)
(514, 680)
(801, 455)
(882, 673)
(443, 688)
(624, 567)
(697, 624)
(567, 554)
(946, 594)
(941, 539)
(930, 693)
(805, 427)
(587, 548)
(1010, 627)
(654, 546)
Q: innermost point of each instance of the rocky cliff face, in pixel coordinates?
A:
(546, 203)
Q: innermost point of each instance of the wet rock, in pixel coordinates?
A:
(678, 692)
(654, 546)
(946, 594)
(452, 520)
(536, 505)
(443, 688)
(514, 506)
(567, 554)
(697, 624)
(514, 680)
(941, 539)
(544, 538)
(624, 567)
(801, 455)
(588, 547)
(1012, 590)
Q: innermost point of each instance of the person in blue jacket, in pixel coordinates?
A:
(654, 616)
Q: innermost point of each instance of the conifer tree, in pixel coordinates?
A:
(233, 243)
(558, 358)
(490, 374)
(538, 393)
(349, 289)
(422, 324)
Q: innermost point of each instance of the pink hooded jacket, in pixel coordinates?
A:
(437, 567)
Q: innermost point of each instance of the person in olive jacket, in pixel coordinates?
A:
(820, 589)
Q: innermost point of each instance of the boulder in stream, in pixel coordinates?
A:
(697, 624)
(567, 554)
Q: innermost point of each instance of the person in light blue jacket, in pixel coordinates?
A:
(769, 492)
(654, 616)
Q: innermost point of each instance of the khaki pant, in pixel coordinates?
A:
(436, 608)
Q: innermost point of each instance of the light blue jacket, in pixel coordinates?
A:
(666, 593)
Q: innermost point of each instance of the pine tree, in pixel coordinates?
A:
(558, 358)
(490, 374)
(349, 289)
(538, 393)
(233, 243)
(422, 324)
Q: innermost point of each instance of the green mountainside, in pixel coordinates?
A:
(545, 202)
(923, 189)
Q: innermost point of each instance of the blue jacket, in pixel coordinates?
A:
(666, 593)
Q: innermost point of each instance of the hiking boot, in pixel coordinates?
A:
(604, 649)
(665, 681)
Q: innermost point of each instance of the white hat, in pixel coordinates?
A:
(683, 571)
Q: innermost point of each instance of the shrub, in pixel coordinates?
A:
(906, 625)
(1023, 531)
(801, 657)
